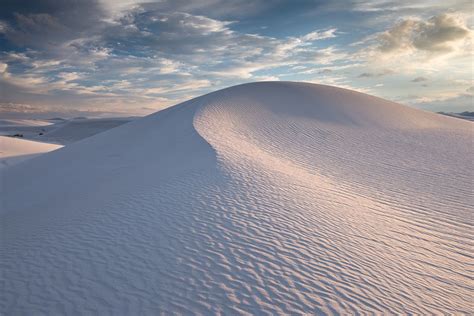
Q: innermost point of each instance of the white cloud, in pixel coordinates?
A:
(319, 35)
(69, 76)
(439, 35)
(3, 68)
(186, 86)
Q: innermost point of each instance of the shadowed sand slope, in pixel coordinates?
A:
(271, 197)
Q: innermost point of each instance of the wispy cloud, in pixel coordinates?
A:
(419, 79)
(381, 73)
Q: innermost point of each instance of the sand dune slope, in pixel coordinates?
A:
(15, 150)
(78, 129)
(276, 197)
(60, 131)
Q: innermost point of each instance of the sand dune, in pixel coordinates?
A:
(60, 131)
(24, 122)
(272, 198)
(40, 136)
(74, 130)
(15, 150)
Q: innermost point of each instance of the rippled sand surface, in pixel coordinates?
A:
(265, 198)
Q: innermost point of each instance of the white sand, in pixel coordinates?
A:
(265, 198)
(23, 122)
(63, 132)
(15, 150)
(75, 130)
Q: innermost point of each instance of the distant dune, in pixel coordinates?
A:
(23, 122)
(463, 115)
(60, 131)
(15, 150)
(80, 128)
(30, 138)
(263, 198)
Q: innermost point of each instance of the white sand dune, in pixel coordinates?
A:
(15, 150)
(23, 122)
(60, 131)
(264, 198)
(39, 137)
(74, 130)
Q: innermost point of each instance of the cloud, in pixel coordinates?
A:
(147, 42)
(449, 101)
(86, 50)
(387, 10)
(437, 47)
(128, 53)
(419, 79)
(376, 74)
(3, 68)
(3, 27)
(438, 35)
(46, 24)
(339, 81)
(187, 86)
(325, 71)
(319, 35)
(212, 8)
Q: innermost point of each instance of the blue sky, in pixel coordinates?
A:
(128, 57)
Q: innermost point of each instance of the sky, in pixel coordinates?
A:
(129, 57)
